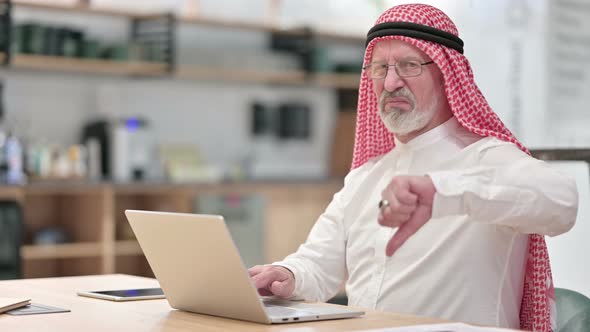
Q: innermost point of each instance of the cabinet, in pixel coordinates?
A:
(100, 241)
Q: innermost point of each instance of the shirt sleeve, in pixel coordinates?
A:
(319, 263)
(508, 188)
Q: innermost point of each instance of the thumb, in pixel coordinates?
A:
(282, 288)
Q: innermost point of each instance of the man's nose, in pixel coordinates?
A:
(392, 80)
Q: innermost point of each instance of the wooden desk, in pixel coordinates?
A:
(152, 315)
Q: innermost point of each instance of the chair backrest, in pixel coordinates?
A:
(11, 235)
(573, 311)
(566, 250)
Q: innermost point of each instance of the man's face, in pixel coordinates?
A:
(408, 106)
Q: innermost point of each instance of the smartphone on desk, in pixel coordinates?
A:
(126, 294)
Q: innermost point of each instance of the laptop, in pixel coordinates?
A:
(200, 270)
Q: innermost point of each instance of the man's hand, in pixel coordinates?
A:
(410, 206)
(273, 280)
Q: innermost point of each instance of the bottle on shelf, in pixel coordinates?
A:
(13, 153)
(3, 165)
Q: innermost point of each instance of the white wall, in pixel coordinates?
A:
(566, 251)
(213, 116)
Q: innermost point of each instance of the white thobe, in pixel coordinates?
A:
(467, 262)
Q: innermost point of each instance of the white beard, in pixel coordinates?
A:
(402, 122)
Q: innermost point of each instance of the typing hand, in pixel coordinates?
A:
(406, 204)
(273, 280)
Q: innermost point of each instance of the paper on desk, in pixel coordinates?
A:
(447, 327)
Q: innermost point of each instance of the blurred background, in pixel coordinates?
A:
(240, 108)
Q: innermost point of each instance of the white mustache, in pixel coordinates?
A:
(401, 92)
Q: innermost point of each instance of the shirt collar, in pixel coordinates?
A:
(433, 135)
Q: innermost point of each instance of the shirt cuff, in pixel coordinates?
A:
(297, 292)
(448, 199)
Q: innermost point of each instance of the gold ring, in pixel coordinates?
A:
(383, 203)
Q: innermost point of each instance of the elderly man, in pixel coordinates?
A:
(444, 211)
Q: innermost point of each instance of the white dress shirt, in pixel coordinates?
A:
(467, 263)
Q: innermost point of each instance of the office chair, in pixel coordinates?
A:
(573, 311)
(11, 234)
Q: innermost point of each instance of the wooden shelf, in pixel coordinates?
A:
(335, 80)
(67, 250)
(127, 248)
(95, 221)
(187, 72)
(87, 66)
(215, 22)
(252, 76)
(12, 193)
(341, 37)
(80, 9)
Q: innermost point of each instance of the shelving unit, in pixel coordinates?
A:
(243, 76)
(79, 8)
(341, 81)
(101, 241)
(184, 72)
(127, 248)
(86, 66)
(92, 214)
(159, 30)
(214, 22)
(67, 250)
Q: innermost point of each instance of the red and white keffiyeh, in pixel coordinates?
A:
(469, 106)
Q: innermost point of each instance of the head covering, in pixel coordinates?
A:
(473, 112)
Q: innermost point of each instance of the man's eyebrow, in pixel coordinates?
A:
(407, 58)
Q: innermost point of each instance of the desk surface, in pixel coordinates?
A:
(89, 314)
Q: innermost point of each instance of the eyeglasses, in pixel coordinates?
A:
(404, 68)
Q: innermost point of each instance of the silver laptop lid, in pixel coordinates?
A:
(197, 264)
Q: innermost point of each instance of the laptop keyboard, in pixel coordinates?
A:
(280, 302)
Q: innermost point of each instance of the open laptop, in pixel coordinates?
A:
(200, 270)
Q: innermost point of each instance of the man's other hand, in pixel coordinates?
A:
(409, 207)
(273, 280)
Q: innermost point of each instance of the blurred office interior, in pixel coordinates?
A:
(240, 108)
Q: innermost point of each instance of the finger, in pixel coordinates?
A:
(396, 241)
(403, 233)
(406, 197)
(391, 213)
(281, 289)
(264, 292)
(389, 195)
(393, 220)
(401, 191)
(380, 219)
(263, 280)
(400, 208)
(407, 205)
(392, 201)
(254, 270)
